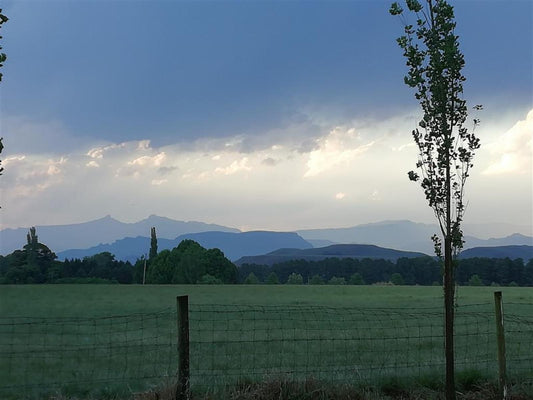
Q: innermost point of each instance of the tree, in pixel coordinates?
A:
(295, 279)
(188, 263)
(337, 281)
(475, 280)
(153, 244)
(446, 147)
(397, 279)
(316, 280)
(356, 279)
(209, 279)
(32, 246)
(3, 58)
(251, 279)
(272, 279)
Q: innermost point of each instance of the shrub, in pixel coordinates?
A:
(316, 280)
(251, 279)
(295, 279)
(356, 279)
(396, 279)
(272, 279)
(475, 280)
(337, 281)
(208, 279)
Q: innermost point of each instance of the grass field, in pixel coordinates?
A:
(106, 300)
(64, 336)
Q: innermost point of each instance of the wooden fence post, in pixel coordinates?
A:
(502, 373)
(183, 389)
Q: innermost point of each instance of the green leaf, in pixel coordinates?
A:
(395, 9)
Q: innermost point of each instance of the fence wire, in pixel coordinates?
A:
(232, 343)
(40, 354)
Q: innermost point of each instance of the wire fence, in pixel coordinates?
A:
(235, 343)
(40, 355)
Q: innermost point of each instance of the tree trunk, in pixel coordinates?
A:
(449, 289)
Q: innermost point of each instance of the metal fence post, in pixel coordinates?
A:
(183, 389)
(502, 373)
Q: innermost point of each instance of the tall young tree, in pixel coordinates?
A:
(446, 147)
(153, 244)
(32, 246)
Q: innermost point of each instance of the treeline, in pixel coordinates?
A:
(190, 263)
(405, 271)
(18, 268)
(187, 263)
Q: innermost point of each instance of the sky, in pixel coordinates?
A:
(277, 115)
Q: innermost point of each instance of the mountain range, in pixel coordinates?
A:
(233, 245)
(404, 235)
(100, 231)
(128, 241)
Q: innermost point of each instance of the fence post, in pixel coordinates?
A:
(502, 373)
(183, 389)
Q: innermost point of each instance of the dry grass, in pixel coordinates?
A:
(314, 390)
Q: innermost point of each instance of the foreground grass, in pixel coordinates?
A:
(432, 389)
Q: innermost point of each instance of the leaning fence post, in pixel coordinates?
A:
(183, 389)
(502, 374)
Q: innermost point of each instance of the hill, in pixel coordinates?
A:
(233, 245)
(512, 252)
(337, 250)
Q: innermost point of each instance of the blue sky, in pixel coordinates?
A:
(254, 114)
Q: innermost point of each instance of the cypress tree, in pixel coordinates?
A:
(153, 244)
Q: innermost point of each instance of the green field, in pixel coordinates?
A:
(113, 338)
(106, 300)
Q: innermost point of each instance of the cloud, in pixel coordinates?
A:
(270, 162)
(512, 151)
(158, 182)
(339, 148)
(274, 184)
(27, 176)
(234, 167)
(154, 161)
(98, 152)
(167, 170)
(92, 164)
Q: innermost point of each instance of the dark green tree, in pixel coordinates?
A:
(316, 280)
(475, 280)
(251, 279)
(188, 263)
(337, 281)
(153, 244)
(397, 279)
(272, 279)
(3, 57)
(31, 247)
(209, 279)
(446, 147)
(356, 279)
